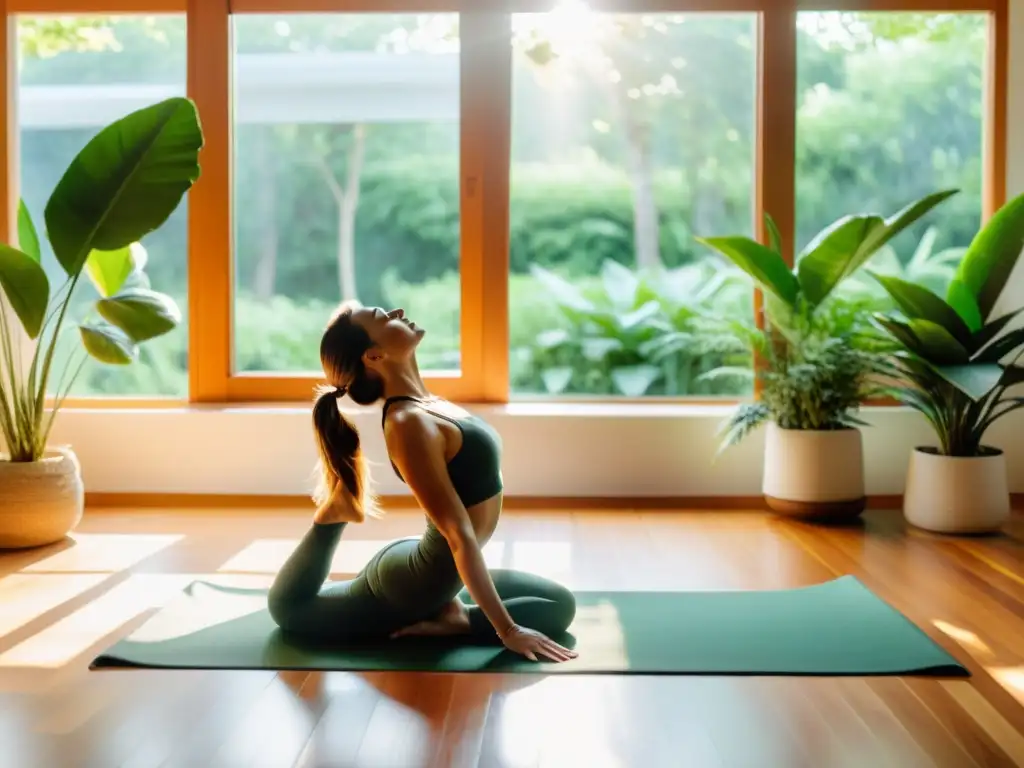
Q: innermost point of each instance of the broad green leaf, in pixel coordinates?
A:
(1001, 347)
(899, 221)
(125, 182)
(828, 258)
(763, 264)
(552, 338)
(620, 284)
(992, 255)
(108, 344)
(939, 347)
(141, 313)
(596, 349)
(774, 237)
(635, 380)
(564, 292)
(26, 286)
(556, 379)
(975, 381)
(109, 270)
(918, 302)
(28, 238)
(961, 299)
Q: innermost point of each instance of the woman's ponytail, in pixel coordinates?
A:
(343, 468)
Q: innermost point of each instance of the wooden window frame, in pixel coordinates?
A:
(485, 142)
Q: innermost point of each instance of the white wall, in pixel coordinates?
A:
(550, 450)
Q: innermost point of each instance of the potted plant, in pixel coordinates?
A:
(955, 365)
(815, 366)
(123, 185)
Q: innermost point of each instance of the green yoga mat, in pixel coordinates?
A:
(835, 628)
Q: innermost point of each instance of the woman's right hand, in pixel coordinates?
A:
(530, 643)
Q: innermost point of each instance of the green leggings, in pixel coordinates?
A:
(408, 581)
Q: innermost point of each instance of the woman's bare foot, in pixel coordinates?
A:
(340, 508)
(453, 619)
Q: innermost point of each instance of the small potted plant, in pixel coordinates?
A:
(955, 364)
(125, 183)
(815, 365)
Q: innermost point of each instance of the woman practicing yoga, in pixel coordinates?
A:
(450, 460)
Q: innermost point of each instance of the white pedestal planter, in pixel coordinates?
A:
(953, 494)
(40, 501)
(814, 474)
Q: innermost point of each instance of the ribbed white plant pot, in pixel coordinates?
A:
(954, 494)
(814, 474)
(40, 501)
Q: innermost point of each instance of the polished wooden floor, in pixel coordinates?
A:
(61, 606)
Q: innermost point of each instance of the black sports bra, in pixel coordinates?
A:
(475, 471)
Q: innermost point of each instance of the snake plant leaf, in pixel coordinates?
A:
(899, 330)
(939, 346)
(28, 238)
(763, 264)
(26, 286)
(827, 259)
(992, 255)
(143, 314)
(993, 328)
(962, 300)
(108, 344)
(125, 182)
(917, 302)
(973, 380)
(1001, 347)
(109, 270)
(1012, 376)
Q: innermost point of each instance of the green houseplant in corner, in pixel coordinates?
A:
(956, 363)
(121, 186)
(816, 367)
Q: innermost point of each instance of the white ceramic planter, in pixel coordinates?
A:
(814, 474)
(954, 494)
(40, 501)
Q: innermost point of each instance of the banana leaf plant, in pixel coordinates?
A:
(953, 362)
(796, 328)
(123, 184)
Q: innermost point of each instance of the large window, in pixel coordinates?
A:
(528, 181)
(631, 134)
(346, 182)
(891, 107)
(76, 74)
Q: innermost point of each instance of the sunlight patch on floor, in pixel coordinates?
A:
(1011, 678)
(74, 634)
(25, 597)
(551, 559)
(966, 638)
(103, 552)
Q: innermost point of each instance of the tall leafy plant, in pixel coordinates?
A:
(124, 184)
(954, 363)
(815, 370)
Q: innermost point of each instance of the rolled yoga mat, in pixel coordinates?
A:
(834, 628)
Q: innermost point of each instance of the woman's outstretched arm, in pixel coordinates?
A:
(417, 447)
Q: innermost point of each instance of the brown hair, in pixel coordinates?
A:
(341, 457)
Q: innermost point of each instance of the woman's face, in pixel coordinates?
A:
(391, 332)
